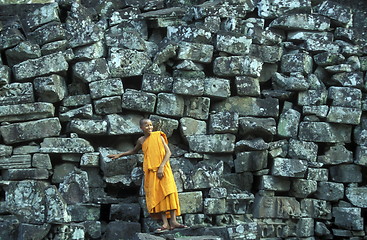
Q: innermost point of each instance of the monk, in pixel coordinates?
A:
(159, 185)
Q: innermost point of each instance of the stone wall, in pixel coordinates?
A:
(263, 102)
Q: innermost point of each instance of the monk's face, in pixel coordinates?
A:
(147, 127)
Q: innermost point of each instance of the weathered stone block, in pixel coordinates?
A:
(318, 45)
(276, 207)
(348, 79)
(348, 218)
(76, 100)
(65, 145)
(90, 71)
(75, 188)
(89, 160)
(267, 54)
(191, 202)
(356, 195)
(218, 192)
(312, 97)
(205, 176)
(40, 160)
(271, 9)
(335, 155)
(315, 208)
(15, 161)
(344, 115)
(303, 150)
(27, 111)
(318, 174)
(34, 231)
(288, 123)
(232, 9)
(50, 32)
(53, 63)
(256, 144)
(138, 100)
(197, 107)
(89, 52)
(303, 21)
(318, 111)
(127, 63)
(4, 75)
(249, 106)
(329, 191)
(31, 130)
(84, 212)
(188, 86)
(22, 52)
(305, 227)
(120, 166)
(361, 156)
(260, 127)
(10, 38)
(247, 86)
(125, 212)
(237, 65)
(302, 188)
(223, 122)
(295, 82)
(251, 161)
(189, 34)
(122, 229)
(88, 127)
(5, 151)
(25, 174)
(212, 143)
(327, 36)
(118, 36)
(156, 83)
(108, 105)
(346, 173)
(338, 13)
(166, 125)
(61, 171)
(233, 44)
(195, 51)
(123, 124)
(328, 58)
(106, 88)
(169, 104)
(51, 88)
(81, 112)
(324, 132)
(214, 206)
(296, 62)
(274, 183)
(289, 167)
(190, 126)
(217, 87)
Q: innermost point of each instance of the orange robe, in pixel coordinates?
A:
(161, 194)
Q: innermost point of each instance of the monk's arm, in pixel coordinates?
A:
(129, 152)
(165, 159)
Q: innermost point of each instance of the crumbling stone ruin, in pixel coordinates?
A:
(263, 101)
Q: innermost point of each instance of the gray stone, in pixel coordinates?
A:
(156, 83)
(302, 21)
(288, 123)
(296, 62)
(5, 151)
(218, 192)
(251, 144)
(84, 212)
(276, 207)
(76, 100)
(237, 65)
(348, 218)
(72, 231)
(10, 38)
(212, 23)
(346, 173)
(274, 183)
(319, 111)
(120, 166)
(356, 195)
(31, 130)
(247, 86)
(303, 150)
(26, 111)
(278, 148)
(125, 212)
(61, 171)
(165, 53)
(123, 124)
(81, 112)
(270, 9)
(233, 43)
(22, 52)
(66, 145)
(125, 38)
(295, 82)
(127, 63)
(166, 125)
(339, 68)
(51, 88)
(324, 132)
(25, 174)
(33, 231)
(348, 79)
(361, 156)
(345, 96)
(214, 206)
(316, 208)
(40, 16)
(40, 160)
(318, 174)
(195, 52)
(223, 122)
(138, 100)
(267, 54)
(169, 104)
(122, 229)
(190, 126)
(329, 191)
(312, 97)
(75, 188)
(15, 161)
(305, 227)
(321, 229)
(318, 45)
(204, 176)
(4, 75)
(108, 105)
(189, 34)
(88, 126)
(89, 160)
(31, 148)
(251, 161)
(287, 167)
(224, 10)
(338, 13)
(304, 35)
(188, 86)
(249, 106)
(335, 155)
(106, 88)
(264, 37)
(257, 127)
(93, 229)
(344, 115)
(89, 52)
(217, 87)
(50, 32)
(197, 107)
(211, 143)
(93, 70)
(191, 202)
(328, 58)
(53, 63)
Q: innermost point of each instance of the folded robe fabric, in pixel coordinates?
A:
(161, 194)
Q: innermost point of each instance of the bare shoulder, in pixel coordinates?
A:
(141, 140)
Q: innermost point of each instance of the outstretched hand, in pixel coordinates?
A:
(113, 156)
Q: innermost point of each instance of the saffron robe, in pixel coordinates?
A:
(161, 194)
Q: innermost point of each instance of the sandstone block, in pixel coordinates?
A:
(249, 106)
(189, 34)
(22, 52)
(305, 227)
(120, 166)
(138, 100)
(31, 130)
(25, 174)
(196, 52)
(26, 111)
(4, 75)
(267, 54)
(75, 188)
(188, 86)
(33, 230)
(89, 160)
(10, 38)
(191, 202)
(40, 160)
(46, 13)
(169, 104)
(127, 63)
(211, 143)
(106, 88)
(93, 70)
(51, 88)
(247, 86)
(301, 188)
(256, 144)
(223, 122)
(205, 176)
(214, 206)
(348, 79)
(318, 45)
(61, 171)
(344, 115)
(259, 127)
(328, 58)
(197, 107)
(296, 62)
(84, 212)
(122, 229)
(276, 207)
(218, 192)
(274, 183)
(233, 44)
(319, 111)
(53, 63)
(65, 145)
(125, 38)
(224, 10)
(318, 174)
(166, 125)
(156, 83)
(81, 112)
(251, 161)
(316, 208)
(346, 173)
(335, 155)
(108, 105)
(88, 126)
(89, 52)
(287, 167)
(324, 132)
(237, 65)
(190, 126)
(312, 97)
(345, 96)
(295, 82)
(50, 32)
(303, 150)
(348, 218)
(288, 123)
(270, 9)
(302, 21)
(361, 156)
(336, 12)
(123, 124)
(5, 151)
(76, 100)
(217, 87)
(326, 36)
(125, 212)
(356, 195)
(15, 161)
